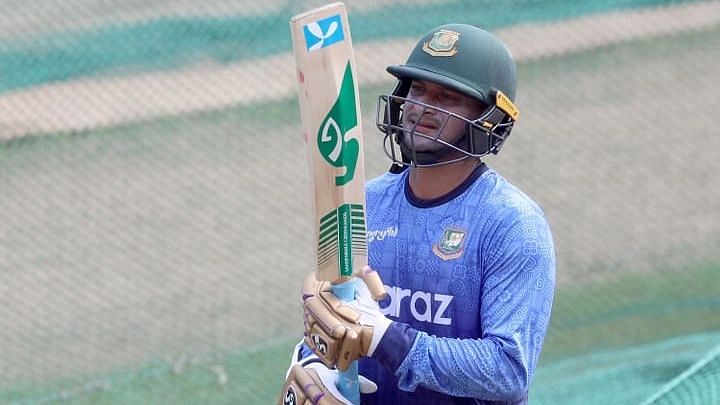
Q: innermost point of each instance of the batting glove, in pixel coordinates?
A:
(309, 382)
(341, 332)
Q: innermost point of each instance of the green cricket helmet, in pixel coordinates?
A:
(466, 59)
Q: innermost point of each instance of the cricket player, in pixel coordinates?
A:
(467, 259)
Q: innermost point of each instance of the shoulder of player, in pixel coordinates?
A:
(515, 222)
(387, 182)
(510, 203)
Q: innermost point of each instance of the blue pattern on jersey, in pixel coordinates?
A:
(473, 278)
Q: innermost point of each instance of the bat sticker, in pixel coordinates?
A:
(342, 233)
(342, 118)
(323, 33)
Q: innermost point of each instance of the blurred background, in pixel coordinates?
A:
(154, 212)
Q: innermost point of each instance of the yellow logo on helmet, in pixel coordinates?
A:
(504, 103)
(442, 43)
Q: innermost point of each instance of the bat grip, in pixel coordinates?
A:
(348, 383)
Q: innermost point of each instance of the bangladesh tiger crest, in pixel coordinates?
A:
(451, 244)
(443, 43)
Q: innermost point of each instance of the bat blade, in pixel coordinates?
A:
(330, 115)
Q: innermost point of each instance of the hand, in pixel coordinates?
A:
(341, 332)
(310, 382)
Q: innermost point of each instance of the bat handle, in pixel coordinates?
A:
(348, 383)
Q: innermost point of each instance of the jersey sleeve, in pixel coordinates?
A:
(518, 286)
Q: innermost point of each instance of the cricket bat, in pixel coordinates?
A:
(332, 131)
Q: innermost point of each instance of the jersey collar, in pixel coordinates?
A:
(434, 202)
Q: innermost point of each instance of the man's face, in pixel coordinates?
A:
(428, 121)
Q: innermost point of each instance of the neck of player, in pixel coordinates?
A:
(428, 183)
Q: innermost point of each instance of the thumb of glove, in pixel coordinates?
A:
(372, 283)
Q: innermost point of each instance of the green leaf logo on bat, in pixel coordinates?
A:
(342, 117)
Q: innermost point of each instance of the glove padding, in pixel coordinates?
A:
(310, 382)
(341, 332)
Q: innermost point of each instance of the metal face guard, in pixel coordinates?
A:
(484, 135)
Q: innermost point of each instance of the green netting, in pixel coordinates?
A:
(626, 375)
(700, 384)
(153, 242)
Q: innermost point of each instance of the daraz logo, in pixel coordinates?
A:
(323, 33)
(342, 117)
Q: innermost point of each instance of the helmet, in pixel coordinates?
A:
(466, 59)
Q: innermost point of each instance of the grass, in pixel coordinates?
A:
(252, 376)
(626, 310)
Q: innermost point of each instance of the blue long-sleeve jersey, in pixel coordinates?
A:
(471, 279)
